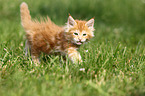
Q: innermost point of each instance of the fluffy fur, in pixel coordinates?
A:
(47, 37)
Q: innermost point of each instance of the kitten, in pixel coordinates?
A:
(47, 37)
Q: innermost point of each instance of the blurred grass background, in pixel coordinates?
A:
(114, 64)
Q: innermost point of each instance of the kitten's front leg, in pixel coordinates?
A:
(74, 55)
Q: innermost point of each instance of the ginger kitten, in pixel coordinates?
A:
(47, 37)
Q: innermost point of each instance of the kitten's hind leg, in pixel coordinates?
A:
(35, 59)
(27, 48)
(35, 56)
(34, 53)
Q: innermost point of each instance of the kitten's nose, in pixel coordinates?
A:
(80, 39)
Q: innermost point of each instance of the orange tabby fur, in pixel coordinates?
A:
(47, 37)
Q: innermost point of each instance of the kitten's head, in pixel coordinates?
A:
(78, 31)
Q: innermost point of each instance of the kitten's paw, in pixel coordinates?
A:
(35, 60)
(78, 61)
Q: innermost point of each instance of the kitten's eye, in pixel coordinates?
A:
(84, 34)
(75, 33)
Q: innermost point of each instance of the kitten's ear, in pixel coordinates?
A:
(90, 23)
(71, 21)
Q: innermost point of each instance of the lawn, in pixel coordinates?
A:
(113, 61)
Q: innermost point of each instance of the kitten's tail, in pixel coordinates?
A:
(25, 15)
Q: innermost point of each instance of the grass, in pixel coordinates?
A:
(114, 60)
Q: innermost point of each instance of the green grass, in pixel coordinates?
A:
(114, 60)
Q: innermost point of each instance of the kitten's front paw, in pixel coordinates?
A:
(77, 61)
(74, 56)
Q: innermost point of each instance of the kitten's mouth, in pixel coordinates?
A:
(79, 43)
